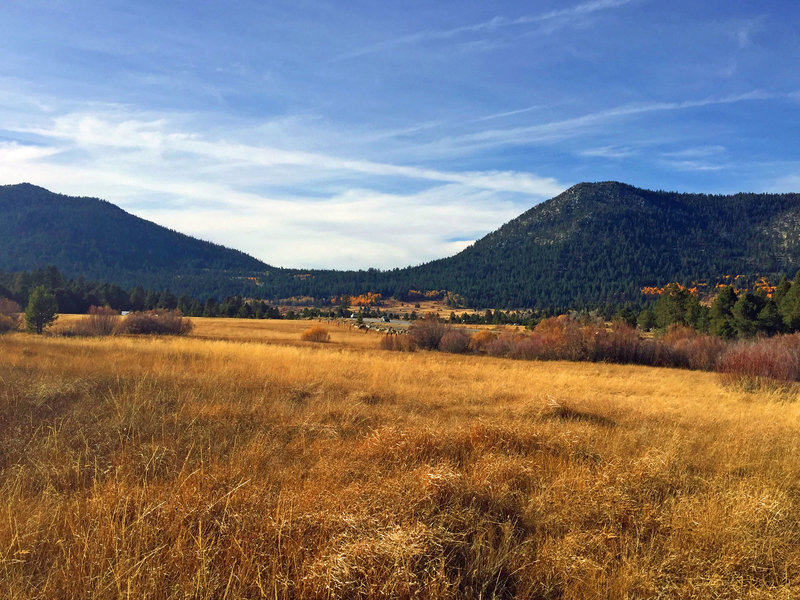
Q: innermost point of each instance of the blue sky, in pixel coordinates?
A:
(355, 134)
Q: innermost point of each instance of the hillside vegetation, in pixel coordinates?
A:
(98, 240)
(153, 468)
(594, 244)
(600, 243)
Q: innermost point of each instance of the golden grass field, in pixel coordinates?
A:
(259, 466)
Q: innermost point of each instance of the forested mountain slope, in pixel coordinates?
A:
(98, 240)
(593, 244)
(605, 241)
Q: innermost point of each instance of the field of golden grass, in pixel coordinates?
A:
(260, 466)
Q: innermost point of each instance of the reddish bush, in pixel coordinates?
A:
(563, 338)
(619, 345)
(101, 320)
(504, 344)
(761, 363)
(455, 341)
(527, 347)
(155, 322)
(317, 333)
(428, 332)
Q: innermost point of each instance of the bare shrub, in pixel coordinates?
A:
(155, 322)
(563, 338)
(528, 347)
(9, 308)
(7, 324)
(400, 342)
(428, 332)
(317, 333)
(9, 315)
(503, 344)
(454, 341)
(762, 363)
(101, 320)
(481, 340)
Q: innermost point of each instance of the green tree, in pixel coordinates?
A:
(42, 309)
(137, 298)
(671, 306)
(745, 313)
(780, 291)
(646, 320)
(722, 322)
(789, 307)
(769, 319)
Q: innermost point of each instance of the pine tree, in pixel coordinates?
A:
(42, 309)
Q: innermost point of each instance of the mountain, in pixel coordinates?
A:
(593, 244)
(599, 242)
(98, 240)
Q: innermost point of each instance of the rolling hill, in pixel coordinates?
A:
(602, 242)
(98, 240)
(592, 244)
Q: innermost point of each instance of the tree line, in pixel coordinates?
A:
(732, 314)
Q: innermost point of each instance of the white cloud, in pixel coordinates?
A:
(612, 152)
(12, 152)
(236, 194)
(92, 131)
(493, 24)
(566, 128)
(695, 152)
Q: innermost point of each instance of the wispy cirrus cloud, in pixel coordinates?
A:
(288, 207)
(91, 131)
(565, 128)
(491, 25)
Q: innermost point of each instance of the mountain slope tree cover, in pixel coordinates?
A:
(596, 244)
(98, 240)
(604, 241)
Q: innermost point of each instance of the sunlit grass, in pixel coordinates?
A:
(212, 468)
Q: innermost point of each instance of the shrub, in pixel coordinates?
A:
(761, 363)
(7, 323)
(428, 332)
(317, 333)
(481, 340)
(503, 344)
(619, 345)
(401, 342)
(9, 315)
(529, 347)
(9, 308)
(454, 341)
(155, 322)
(101, 320)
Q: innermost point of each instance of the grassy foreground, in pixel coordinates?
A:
(200, 468)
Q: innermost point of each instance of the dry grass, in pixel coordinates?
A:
(316, 333)
(186, 467)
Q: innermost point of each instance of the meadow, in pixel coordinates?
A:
(242, 462)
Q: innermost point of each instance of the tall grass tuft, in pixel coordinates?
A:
(317, 333)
